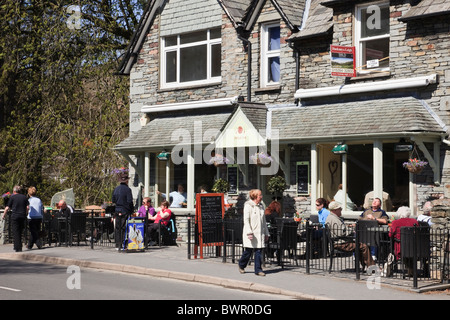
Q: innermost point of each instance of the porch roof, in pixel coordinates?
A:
(357, 120)
(157, 134)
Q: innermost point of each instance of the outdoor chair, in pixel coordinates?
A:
(286, 240)
(332, 240)
(415, 246)
(77, 226)
(168, 234)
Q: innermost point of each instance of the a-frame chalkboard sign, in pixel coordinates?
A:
(209, 212)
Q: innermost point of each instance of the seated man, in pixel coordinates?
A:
(337, 229)
(164, 216)
(375, 213)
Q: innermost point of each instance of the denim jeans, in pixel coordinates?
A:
(246, 258)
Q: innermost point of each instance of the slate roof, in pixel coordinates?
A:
(427, 8)
(319, 20)
(334, 121)
(239, 11)
(158, 132)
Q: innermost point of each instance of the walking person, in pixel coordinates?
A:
(18, 203)
(255, 232)
(123, 199)
(35, 215)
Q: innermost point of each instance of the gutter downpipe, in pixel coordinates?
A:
(249, 68)
(297, 68)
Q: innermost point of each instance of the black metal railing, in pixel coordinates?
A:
(364, 249)
(87, 228)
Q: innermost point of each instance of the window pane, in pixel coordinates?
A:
(274, 38)
(193, 63)
(171, 41)
(171, 66)
(193, 37)
(274, 69)
(376, 50)
(375, 21)
(216, 58)
(215, 33)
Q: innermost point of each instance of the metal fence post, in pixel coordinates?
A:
(308, 246)
(357, 252)
(92, 229)
(415, 234)
(189, 236)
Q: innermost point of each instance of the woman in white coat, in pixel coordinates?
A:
(255, 232)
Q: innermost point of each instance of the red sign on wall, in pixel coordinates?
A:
(342, 61)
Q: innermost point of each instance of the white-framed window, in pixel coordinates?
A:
(191, 59)
(270, 54)
(372, 37)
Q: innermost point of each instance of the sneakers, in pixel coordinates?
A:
(242, 271)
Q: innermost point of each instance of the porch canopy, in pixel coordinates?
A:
(194, 128)
(367, 121)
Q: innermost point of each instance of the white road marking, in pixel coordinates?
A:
(10, 289)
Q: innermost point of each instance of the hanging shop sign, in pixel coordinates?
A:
(342, 61)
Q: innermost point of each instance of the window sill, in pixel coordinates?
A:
(374, 75)
(267, 89)
(204, 85)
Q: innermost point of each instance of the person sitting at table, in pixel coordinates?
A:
(146, 210)
(375, 213)
(65, 210)
(178, 197)
(386, 203)
(338, 229)
(273, 211)
(340, 196)
(163, 215)
(404, 221)
(426, 212)
(322, 211)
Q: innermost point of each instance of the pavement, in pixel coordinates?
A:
(172, 262)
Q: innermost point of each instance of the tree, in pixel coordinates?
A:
(61, 107)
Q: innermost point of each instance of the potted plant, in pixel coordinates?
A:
(415, 165)
(276, 185)
(261, 159)
(221, 186)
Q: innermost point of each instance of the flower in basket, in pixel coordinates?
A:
(219, 159)
(120, 170)
(6, 195)
(415, 165)
(261, 158)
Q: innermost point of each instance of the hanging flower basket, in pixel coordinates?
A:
(261, 159)
(219, 160)
(415, 165)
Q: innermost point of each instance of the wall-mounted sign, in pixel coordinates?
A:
(303, 178)
(342, 61)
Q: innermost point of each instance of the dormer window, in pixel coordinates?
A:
(372, 37)
(270, 55)
(191, 59)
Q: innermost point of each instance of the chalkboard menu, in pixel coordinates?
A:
(209, 220)
(233, 178)
(303, 178)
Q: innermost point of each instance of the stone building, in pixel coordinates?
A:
(237, 77)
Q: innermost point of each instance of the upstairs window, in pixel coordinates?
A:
(191, 59)
(270, 55)
(372, 37)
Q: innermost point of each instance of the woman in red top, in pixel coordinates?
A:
(404, 221)
(163, 215)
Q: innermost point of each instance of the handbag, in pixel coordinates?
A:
(387, 267)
